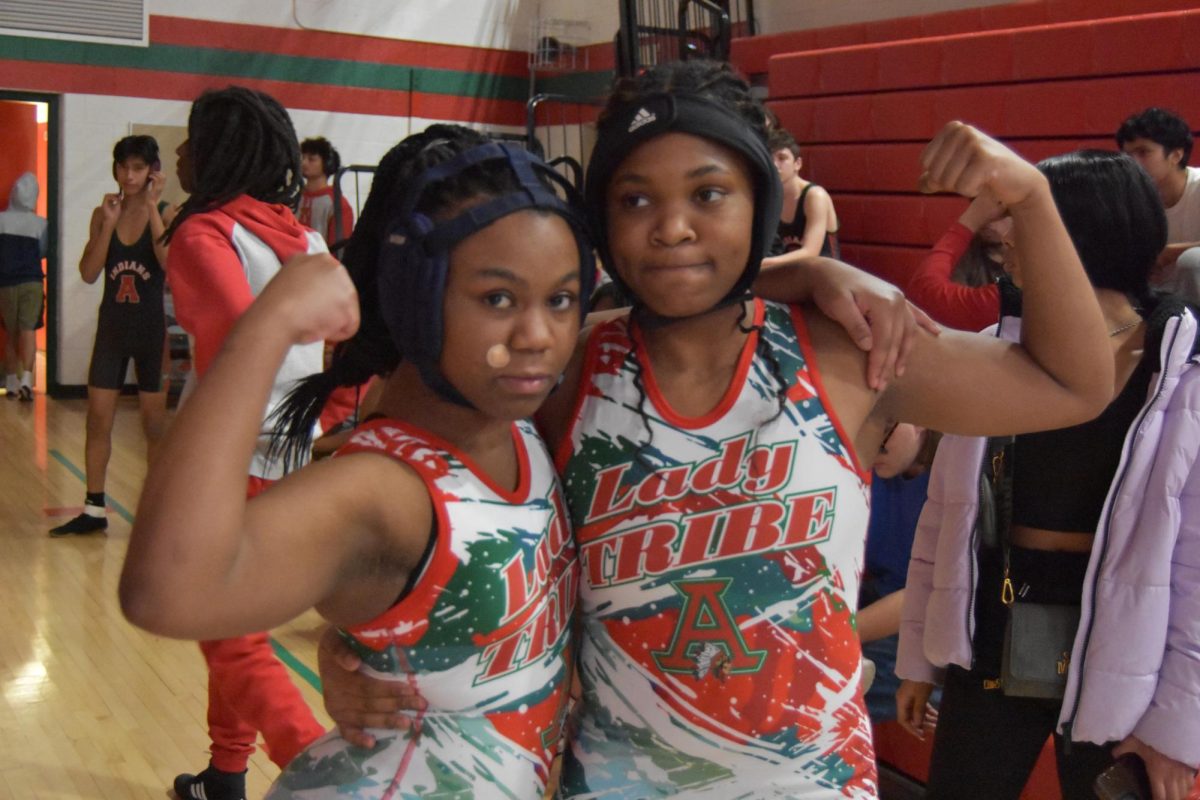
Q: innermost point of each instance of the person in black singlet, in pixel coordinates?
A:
(808, 225)
(124, 244)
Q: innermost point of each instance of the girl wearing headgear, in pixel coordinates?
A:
(711, 454)
(241, 167)
(437, 538)
(1105, 525)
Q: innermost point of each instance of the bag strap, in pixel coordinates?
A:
(998, 472)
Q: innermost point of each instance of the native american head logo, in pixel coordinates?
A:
(712, 658)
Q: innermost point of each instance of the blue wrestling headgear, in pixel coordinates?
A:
(640, 120)
(415, 257)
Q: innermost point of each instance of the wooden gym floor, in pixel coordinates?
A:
(91, 706)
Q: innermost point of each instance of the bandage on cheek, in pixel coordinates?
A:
(498, 356)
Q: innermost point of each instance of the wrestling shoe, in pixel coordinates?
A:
(211, 784)
(83, 524)
(25, 394)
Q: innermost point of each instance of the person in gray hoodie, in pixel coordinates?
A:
(22, 248)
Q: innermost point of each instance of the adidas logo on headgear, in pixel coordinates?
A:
(642, 117)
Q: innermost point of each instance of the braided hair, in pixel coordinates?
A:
(240, 141)
(716, 80)
(372, 350)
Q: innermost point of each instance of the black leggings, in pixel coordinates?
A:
(987, 743)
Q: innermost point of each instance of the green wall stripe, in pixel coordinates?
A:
(267, 66)
(580, 84)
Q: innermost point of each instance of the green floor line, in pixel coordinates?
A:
(78, 473)
(296, 665)
(283, 654)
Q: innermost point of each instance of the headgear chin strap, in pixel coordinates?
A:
(415, 258)
(639, 121)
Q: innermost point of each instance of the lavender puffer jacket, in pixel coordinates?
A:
(1135, 667)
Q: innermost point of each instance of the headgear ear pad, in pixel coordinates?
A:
(639, 121)
(415, 257)
(333, 163)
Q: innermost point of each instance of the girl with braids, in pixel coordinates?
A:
(709, 443)
(241, 166)
(436, 539)
(711, 456)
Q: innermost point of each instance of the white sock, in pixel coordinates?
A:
(10, 383)
(27, 379)
(93, 511)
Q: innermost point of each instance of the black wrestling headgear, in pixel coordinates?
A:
(415, 258)
(639, 121)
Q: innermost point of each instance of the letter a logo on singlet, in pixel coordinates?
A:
(127, 292)
(706, 635)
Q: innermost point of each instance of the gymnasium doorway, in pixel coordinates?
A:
(29, 136)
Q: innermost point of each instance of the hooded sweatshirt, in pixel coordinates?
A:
(22, 235)
(218, 262)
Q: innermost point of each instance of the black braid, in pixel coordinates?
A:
(713, 79)
(639, 383)
(240, 141)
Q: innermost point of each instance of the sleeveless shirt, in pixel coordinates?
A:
(132, 306)
(482, 635)
(791, 234)
(721, 558)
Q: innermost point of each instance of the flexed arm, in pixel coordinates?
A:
(203, 562)
(1061, 373)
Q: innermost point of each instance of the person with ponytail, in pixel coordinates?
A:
(1103, 519)
(436, 540)
(241, 166)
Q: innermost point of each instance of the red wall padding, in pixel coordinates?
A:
(750, 55)
(1123, 46)
(877, 167)
(1047, 84)
(1089, 107)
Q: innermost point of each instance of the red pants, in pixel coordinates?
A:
(249, 691)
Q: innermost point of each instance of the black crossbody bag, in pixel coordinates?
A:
(1038, 637)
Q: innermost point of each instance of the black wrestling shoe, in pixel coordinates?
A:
(81, 525)
(211, 784)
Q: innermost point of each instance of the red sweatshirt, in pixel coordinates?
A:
(967, 308)
(217, 264)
